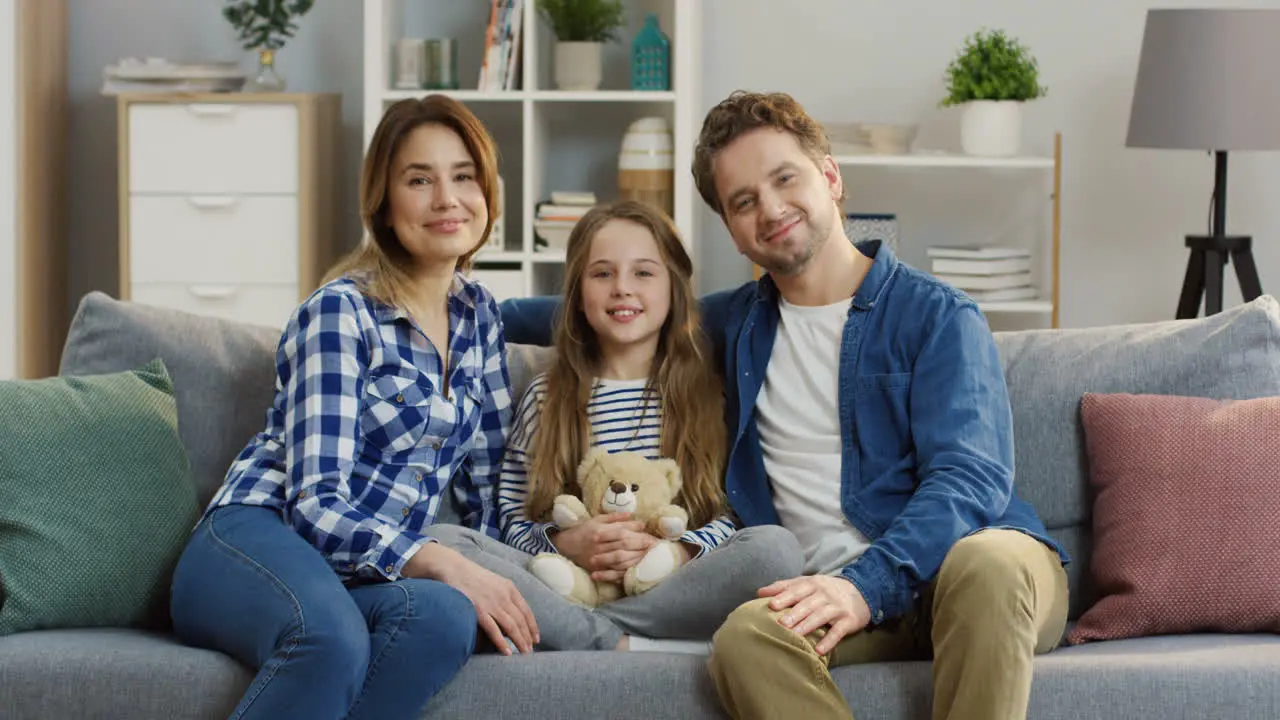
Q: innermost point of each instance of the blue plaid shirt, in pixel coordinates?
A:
(365, 435)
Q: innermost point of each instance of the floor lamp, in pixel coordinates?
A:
(1206, 81)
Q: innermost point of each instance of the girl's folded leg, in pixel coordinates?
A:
(562, 624)
(696, 599)
(423, 632)
(249, 586)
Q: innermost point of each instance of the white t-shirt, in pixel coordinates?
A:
(797, 413)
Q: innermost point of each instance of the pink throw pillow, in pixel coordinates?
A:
(1186, 515)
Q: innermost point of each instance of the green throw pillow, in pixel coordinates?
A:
(96, 502)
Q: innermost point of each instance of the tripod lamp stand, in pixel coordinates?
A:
(1206, 82)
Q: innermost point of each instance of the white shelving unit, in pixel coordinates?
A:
(941, 161)
(548, 139)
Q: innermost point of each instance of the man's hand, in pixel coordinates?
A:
(500, 608)
(816, 601)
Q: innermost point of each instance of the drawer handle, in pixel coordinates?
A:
(211, 202)
(212, 292)
(211, 109)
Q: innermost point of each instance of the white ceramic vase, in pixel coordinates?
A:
(991, 128)
(578, 65)
(646, 163)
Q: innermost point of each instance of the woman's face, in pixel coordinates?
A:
(435, 203)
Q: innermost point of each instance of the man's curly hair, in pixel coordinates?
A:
(742, 112)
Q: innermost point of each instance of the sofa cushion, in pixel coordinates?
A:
(1185, 517)
(122, 674)
(96, 499)
(1232, 355)
(223, 372)
(115, 673)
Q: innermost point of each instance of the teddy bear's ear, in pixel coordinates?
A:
(593, 458)
(671, 470)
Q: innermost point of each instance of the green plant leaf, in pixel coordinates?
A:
(264, 24)
(992, 66)
(583, 20)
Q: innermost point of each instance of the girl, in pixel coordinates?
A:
(315, 563)
(632, 372)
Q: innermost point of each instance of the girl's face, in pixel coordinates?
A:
(626, 292)
(434, 201)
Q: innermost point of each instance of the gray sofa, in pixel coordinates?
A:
(223, 374)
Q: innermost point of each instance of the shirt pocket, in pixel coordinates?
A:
(397, 414)
(473, 401)
(883, 415)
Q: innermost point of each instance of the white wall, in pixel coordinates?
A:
(1125, 211)
(8, 192)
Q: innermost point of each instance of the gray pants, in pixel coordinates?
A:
(689, 605)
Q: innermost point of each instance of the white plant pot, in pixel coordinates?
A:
(991, 128)
(578, 65)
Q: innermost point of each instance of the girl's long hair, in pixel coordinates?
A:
(693, 428)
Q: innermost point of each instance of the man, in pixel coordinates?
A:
(843, 363)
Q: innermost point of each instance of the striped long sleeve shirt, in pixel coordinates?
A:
(366, 434)
(621, 416)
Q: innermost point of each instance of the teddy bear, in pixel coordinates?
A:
(610, 483)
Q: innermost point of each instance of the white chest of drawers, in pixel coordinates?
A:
(227, 201)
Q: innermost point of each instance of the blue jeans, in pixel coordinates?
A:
(249, 586)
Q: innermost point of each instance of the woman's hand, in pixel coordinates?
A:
(500, 608)
(611, 542)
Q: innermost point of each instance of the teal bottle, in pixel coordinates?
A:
(651, 57)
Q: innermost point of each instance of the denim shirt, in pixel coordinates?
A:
(925, 422)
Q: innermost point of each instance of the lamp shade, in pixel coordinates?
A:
(1207, 81)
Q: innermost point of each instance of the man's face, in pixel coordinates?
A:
(778, 205)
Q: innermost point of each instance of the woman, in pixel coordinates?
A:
(315, 563)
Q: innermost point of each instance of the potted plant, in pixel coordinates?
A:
(581, 28)
(990, 78)
(264, 25)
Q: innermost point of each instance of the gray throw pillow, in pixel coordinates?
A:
(223, 372)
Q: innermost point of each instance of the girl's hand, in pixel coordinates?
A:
(612, 559)
(599, 535)
(500, 608)
(615, 574)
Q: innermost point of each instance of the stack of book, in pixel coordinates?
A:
(556, 218)
(985, 273)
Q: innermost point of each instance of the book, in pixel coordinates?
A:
(976, 252)
(1000, 266)
(570, 197)
(1003, 295)
(985, 282)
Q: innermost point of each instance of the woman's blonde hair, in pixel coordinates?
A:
(380, 260)
(693, 429)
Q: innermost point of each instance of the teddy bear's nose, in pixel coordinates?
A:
(618, 488)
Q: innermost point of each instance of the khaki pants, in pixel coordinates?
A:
(999, 599)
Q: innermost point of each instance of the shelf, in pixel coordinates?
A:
(1017, 306)
(611, 96)
(946, 160)
(602, 96)
(489, 256)
(462, 95)
(549, 139)
(545, 256)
